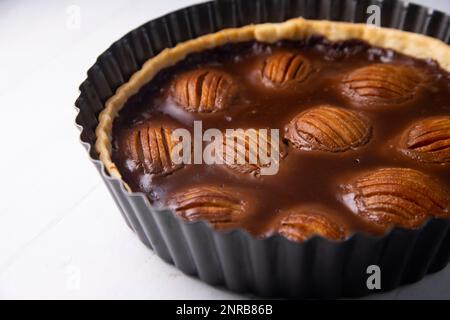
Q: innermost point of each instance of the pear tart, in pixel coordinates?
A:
(382, 84)
(285, 67)
(428, 140)
(397, 196)
(302, 223)
(151, 148)
(221, 207)
(328, 128)
(355, 120)
(204, 90)
(249, 151)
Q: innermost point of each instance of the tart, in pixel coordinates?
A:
(334, 91)
(371, 192)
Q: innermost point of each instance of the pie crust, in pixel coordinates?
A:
(415, 45)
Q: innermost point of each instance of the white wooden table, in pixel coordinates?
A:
(61, 235)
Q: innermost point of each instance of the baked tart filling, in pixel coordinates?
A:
(362, 122)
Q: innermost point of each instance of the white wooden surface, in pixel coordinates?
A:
(61, 235)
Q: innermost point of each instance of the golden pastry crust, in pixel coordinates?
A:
(415, 45)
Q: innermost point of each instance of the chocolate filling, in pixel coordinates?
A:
(380, 92)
